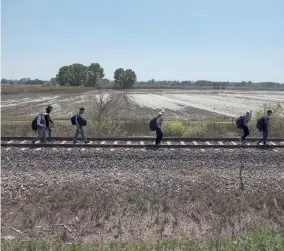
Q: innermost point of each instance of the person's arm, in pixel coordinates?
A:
(158, 123)
(47, 117)
(39, 121)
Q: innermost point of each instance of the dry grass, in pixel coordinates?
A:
(143, 205)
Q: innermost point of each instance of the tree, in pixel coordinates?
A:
(5, 81)
(62, 76)
(124, 79)
(78, 74)
(35, 82)
(94, 73)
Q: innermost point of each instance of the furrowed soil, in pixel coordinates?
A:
(139, 196)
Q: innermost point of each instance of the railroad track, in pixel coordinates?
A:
(138, 142)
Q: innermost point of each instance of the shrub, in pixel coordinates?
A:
(173, 129)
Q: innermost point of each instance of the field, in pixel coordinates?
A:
(114, 112)
(141, 200)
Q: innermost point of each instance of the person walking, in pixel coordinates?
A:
(264, 127)
(41, 128)
(48, 121)
(80, 122)
(247, 117)
(159, 132)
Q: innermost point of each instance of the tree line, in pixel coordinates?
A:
(92, 75)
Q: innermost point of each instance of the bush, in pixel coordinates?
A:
(173, 129)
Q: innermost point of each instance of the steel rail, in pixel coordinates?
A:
(143, 139)
(131, 146)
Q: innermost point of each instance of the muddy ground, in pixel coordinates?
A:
(141, 104)
(140, 196)
(120, 107)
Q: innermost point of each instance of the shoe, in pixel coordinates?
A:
(87, 141)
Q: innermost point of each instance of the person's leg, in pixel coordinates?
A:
(246, 132)
(43, 135)
(157, 137)
(75, 140)
(265, 136)
(161, 135)
(83, 135)
(38, 136)
(49, 132)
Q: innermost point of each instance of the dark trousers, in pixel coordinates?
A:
(264, 137)
(246, 132)
(48, 130)
(159, 135)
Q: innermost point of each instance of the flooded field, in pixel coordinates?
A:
(224, 103)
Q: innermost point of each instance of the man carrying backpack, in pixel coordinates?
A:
(159, 133)
(80, 122)
(41, 127)
(48, 121)
(246, 120)
(263, 125)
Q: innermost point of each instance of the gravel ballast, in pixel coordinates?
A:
(139, 195)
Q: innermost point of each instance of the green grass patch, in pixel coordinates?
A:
(256, 241)
(174, 128)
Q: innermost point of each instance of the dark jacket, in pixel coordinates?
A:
(47, 117)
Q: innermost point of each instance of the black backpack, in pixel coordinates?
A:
(81, 121)
(260, 123)
(240, 122)
(73, 122)
(34, 124)
(153, 124)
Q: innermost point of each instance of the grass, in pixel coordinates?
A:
(109, 127)
(255, 241)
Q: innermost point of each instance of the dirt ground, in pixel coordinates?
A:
(139, 196)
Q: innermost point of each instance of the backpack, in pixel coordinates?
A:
(260, 123)
(73, 121)
(240, 122)
(81, 121)
(153, 124)
(34, 124)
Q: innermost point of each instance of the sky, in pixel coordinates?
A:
(218, 40)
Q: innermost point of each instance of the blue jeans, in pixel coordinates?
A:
(264, 137)
(41, 134)
(79, 131)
